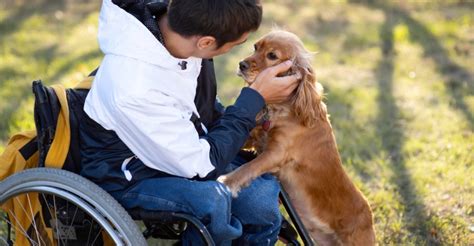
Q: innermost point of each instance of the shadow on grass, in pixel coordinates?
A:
(354, 148)
(418, 223)
(15, 85)
(8, 73)
(18, 15)
(392, 133)
(16, 88)
(72, 63)
(11, 104)
(459, 81)
(14, 100)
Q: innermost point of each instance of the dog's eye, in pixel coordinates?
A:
(272, 56)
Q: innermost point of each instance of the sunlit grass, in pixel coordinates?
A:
(398, 81)
(54, 42)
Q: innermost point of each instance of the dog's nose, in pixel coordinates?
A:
(243, 65)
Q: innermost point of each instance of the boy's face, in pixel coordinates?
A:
(212, 50)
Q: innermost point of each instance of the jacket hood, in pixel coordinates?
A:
(120, 33)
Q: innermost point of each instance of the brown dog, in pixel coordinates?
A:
(295, 141)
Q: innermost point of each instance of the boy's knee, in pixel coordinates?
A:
(260, 202)
(216, 198)
(269, 212)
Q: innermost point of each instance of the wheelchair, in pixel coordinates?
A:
(56, 206)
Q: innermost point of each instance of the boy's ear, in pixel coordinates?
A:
(205, 42)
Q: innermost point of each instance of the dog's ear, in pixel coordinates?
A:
(307, 97)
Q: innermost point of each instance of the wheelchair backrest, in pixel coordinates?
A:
(46, 112)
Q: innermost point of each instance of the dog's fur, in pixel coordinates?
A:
(300, 149)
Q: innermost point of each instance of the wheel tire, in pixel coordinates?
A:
(57, 180)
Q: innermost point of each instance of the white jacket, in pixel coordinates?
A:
(142, 94)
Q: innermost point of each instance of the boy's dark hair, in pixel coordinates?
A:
(225, 20)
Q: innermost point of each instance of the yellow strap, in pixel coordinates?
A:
(85, 83)
(62, 137)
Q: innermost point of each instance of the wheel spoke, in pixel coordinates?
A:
(34, 221)
(74, 216)
(97, 236)
(59, 235)
(20, 227)
(3, 240)
(53, 216)
(56, 219)
(90, 231)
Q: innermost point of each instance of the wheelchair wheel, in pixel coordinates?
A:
(62, 208)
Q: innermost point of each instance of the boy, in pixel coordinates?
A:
(155, 137)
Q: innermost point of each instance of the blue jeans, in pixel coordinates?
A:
(253, 218)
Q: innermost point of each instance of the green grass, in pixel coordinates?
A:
(399, 82)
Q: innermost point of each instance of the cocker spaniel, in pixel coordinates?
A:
(294, 140)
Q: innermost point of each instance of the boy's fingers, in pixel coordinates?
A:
(290, 80)
(291, 88)
(280, 68)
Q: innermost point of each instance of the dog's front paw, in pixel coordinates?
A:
(231, 183)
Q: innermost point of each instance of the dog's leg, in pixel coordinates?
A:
(325, 239)
(269, 161)
(360, 236)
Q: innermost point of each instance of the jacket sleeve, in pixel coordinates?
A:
(229, 133)
(219, 109)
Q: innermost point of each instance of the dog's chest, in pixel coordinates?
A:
(268, 120)
(259, 139)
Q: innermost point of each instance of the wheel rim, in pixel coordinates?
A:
(92, 209)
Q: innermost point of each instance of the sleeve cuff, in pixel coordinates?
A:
(250, 100)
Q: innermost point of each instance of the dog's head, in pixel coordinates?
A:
(277, 47)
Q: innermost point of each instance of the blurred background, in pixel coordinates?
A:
(399, 85)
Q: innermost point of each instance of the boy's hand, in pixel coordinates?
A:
(275, 89)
